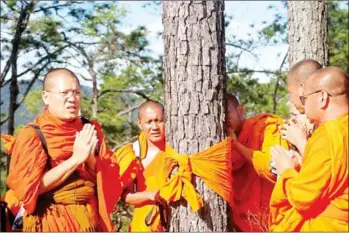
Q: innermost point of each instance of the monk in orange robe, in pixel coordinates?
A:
(143, 192)
(298, 129)
(146, 166)
(253, 181)
(58, 190)
(315, 198)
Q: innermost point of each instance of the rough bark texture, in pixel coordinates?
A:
(307, 31)
(194, 73)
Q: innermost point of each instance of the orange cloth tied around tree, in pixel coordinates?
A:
(212, 165)
(316, 197)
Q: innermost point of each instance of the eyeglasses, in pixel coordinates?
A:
(67, 94)
(304, 97)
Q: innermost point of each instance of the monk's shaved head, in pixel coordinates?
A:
(53, 74)
(326, 95)
(300, 71)
(232, 99)
(150, 104)
(332, 79)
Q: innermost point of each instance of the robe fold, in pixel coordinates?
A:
(253, 183)
(82, 203)
(212, 165)
(316, 197)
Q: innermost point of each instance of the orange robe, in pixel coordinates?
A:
(76, 206)
(253, 183)
(316, 197)
(213, 166)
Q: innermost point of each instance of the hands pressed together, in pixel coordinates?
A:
(85, 146)
(295, 133)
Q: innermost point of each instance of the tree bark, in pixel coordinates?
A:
(307, 31)
(94, 88)
(195, 83)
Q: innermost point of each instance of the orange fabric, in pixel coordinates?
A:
(8, 141)
(300, 199)
(253, 183)
(213, 166)
(28, 163)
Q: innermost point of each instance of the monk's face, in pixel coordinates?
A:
(300, 118)
(294, 92)
(151, 122)
(314, 102)
(63, 98)
(235, 117)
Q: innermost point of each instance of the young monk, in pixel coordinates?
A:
(57, 189)
(252, 180)
(144, 192)
(146, 165)
(315, 198)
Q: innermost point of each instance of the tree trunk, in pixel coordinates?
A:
(14, 91)
(195, 82)
(94, 88)
(307, 31)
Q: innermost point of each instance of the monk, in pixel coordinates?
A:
(315, 198)
(253, 181)
(143, 192)
(298, 129)
(151, 184)
(57, 188)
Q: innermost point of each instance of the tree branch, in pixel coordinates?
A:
(139, 92)
(4, 120)
(277, 84)
(42, 60)
(128, 110)
(252, 71)
(36, 76)
(53, 7)
(242, 48)
(20, 27)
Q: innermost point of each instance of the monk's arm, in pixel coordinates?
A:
(305, 188)
(138, 198)
(57, 175)
(260, 159)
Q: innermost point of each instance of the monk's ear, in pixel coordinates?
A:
(325, 100)
(241, 109)
(45, 96)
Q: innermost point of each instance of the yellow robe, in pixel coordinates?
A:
(316, 197)
(253, 183)
(213, 166)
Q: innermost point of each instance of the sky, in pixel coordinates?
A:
(244, 14)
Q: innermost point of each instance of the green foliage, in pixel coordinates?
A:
(338, 34)
(34, 103)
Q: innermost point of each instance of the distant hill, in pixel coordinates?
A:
(22, 115)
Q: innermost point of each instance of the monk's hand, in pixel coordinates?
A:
(85, 141)
(231, 134)
(281, 159)
(293, 132)
(154, 196)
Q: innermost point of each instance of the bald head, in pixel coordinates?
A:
(326, 95)
(150, 104)
(232, 99)
(54, 74)
(300, 71)
(332, 79)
